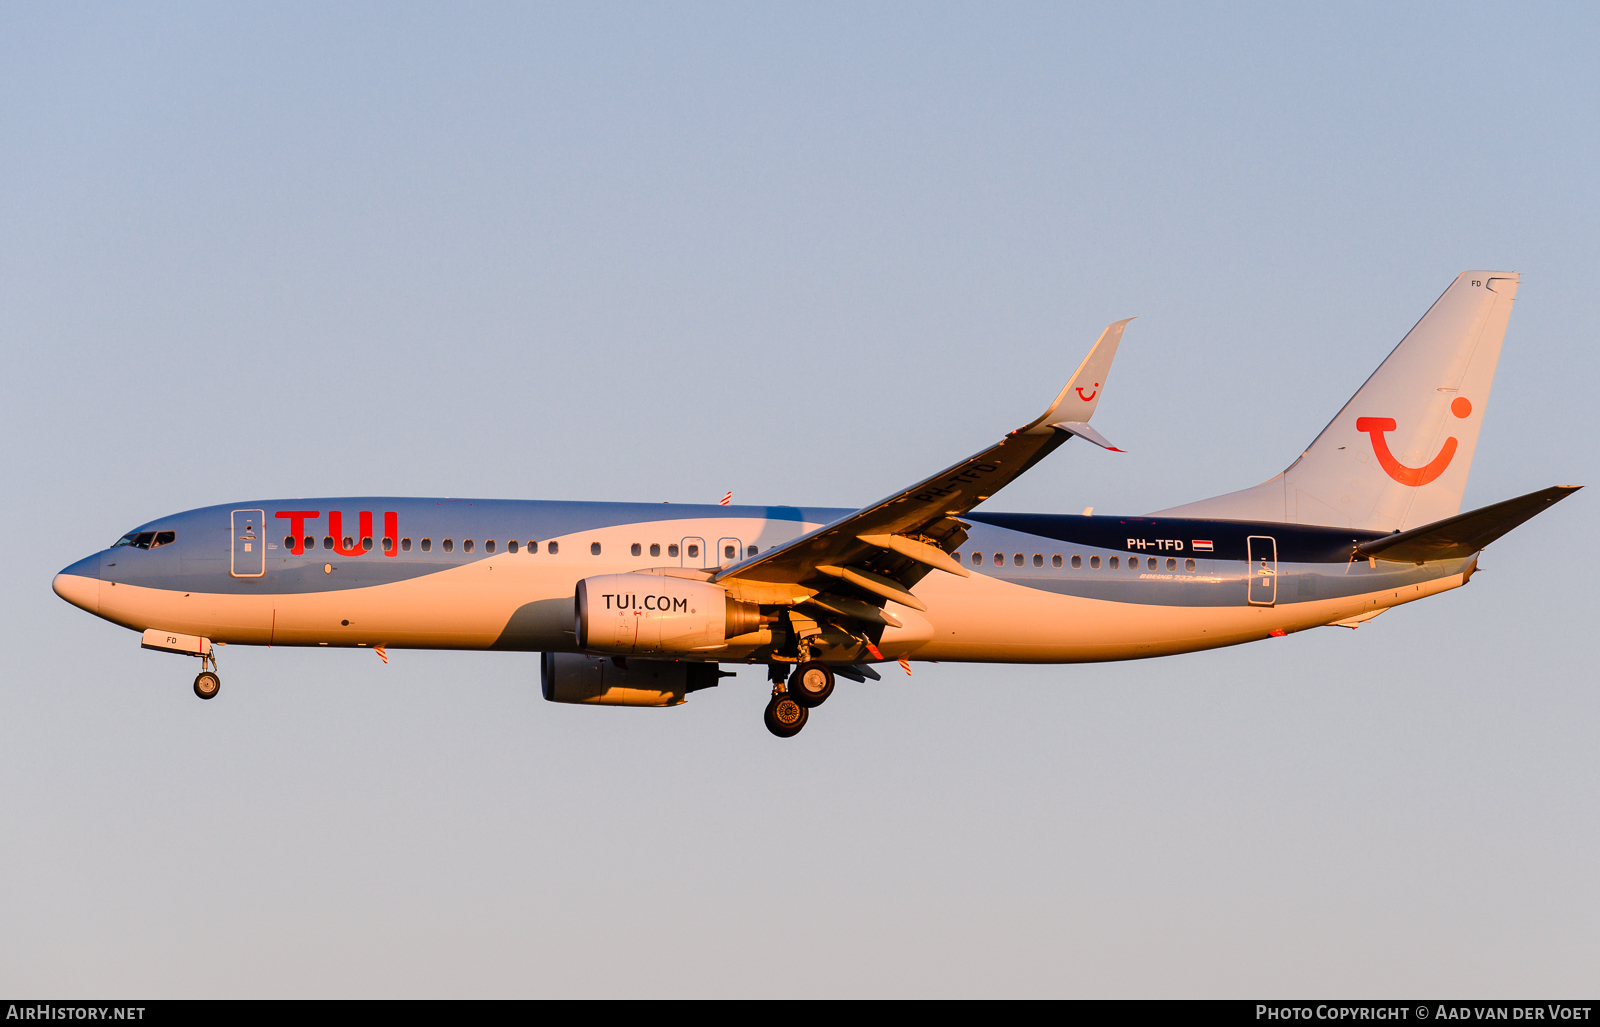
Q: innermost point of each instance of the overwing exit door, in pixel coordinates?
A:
(249, 544)
(695, 553)
(1263, 553)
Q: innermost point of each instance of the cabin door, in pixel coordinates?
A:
(249, 541)
(1263, 570)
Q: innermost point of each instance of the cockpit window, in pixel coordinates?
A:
(145, 539)
(164, 538)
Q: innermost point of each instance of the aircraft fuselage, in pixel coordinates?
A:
(498, 574)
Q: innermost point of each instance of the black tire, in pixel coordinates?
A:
(784, 716)
(207, 685)
(811, 684)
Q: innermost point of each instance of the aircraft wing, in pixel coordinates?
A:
(884, 549)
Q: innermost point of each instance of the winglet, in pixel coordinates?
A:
(1083, 431)
(1076, 403)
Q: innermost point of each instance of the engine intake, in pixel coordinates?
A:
(637, 614)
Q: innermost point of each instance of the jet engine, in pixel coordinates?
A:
(638, 614)
(614, 681)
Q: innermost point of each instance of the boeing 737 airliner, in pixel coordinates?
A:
(638, 604)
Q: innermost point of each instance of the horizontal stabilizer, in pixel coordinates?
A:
(1464, 534)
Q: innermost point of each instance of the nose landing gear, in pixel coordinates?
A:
(206, 683)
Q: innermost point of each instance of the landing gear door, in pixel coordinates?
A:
(249, 542)
(1263, 570)
(695, 553)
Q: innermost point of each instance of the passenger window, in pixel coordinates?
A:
(636, 549)
(999, 559)
(388, 544)
(1150, 564)
(1188, 565)
(1038, 560)
(694, 552)
(327, 542)
(405, 545)
(488, 547)
(1055, 561)
(366, 544)
(466, 545)
(594, 549)
(288, 541)
(449, 545)
(672, 550)
(552, 548)
(1133, 563)
(1172, 563)
(427, 544)
(511, 547)
(349, 543)
(1115, 563)
(751, 550)
(1077, 562)
(977, 558)
(655, 549)
(311, 543)
(729, 552)
(1094, 562)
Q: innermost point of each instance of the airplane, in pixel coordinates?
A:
(640, 604)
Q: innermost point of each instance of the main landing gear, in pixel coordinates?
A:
(792, 700)
(811, 683)
(206, 683)
(784, 716)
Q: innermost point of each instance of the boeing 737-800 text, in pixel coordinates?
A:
(638, 604)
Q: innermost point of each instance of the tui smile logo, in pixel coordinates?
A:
(1091, 395)
(1413, 476)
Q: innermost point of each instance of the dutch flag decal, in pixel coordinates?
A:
(1201, 545)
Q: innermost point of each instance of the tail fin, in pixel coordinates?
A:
(1398, 454)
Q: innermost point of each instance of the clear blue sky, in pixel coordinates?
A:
(806, 253)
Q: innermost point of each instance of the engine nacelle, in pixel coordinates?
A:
(639, 614)
(614, 681)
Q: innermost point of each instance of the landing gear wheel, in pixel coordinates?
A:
(811, 683)
(207, 685)
(784, 716)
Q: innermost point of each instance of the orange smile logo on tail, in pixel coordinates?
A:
(1413, 476)
(1091, 395)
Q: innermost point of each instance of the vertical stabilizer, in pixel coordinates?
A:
(1398, 454)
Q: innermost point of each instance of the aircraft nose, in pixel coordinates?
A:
(79, 584)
